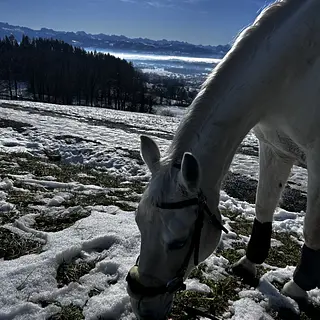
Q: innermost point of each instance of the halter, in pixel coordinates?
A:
(177, 283)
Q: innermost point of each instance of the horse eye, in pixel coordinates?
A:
(175, 245)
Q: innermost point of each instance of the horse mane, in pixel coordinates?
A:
(220, 82)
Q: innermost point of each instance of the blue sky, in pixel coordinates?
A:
(196, 21)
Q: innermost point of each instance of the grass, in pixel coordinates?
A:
(233, 254)
(73, 271)
(241, 227)
(9, 216)
(59, 222)
(214, 303)
(70, 312)
(22, 202)
(102, 198)
(238, 224)
(286, 254)
(13, 245)
(42, 167)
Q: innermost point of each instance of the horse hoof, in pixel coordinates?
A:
(292, 290)
(245, 270)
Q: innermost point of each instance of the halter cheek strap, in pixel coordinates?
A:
(201, 201)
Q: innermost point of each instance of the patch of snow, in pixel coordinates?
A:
(248, 309)
(6, 184)
(195, 285)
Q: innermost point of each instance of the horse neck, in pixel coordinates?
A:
(222, 114)
(214, 140)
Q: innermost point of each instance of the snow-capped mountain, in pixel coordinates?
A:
(115, 42)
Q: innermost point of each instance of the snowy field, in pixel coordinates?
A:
(71, 178)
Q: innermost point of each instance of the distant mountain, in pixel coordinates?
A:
(116, 43)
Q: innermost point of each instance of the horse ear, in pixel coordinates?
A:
(190, 172)
(150, 153)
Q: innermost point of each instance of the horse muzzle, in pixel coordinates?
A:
(148, 303)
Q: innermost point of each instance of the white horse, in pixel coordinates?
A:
(269, 81)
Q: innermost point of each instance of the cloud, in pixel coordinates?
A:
(160, 4)
(179, 4)
(163, 3)
(192, 1)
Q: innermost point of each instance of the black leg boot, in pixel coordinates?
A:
(257, 252)
(307, 273)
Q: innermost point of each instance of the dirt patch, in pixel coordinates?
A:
(69, 139)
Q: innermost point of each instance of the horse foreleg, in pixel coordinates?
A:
(273, 174)
(307, 273)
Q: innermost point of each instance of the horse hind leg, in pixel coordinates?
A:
(274, 171)
(307, 273)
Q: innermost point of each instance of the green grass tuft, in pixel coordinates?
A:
(214, 303)
(59, 222)
(73, 271)
(13, 246)
(286, 254)
(70, 312)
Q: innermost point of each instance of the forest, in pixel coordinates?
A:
(53, 71)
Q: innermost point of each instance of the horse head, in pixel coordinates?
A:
(177, 231)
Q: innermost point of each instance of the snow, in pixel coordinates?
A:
(108, 140)
(195, 285)
(247, 309)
